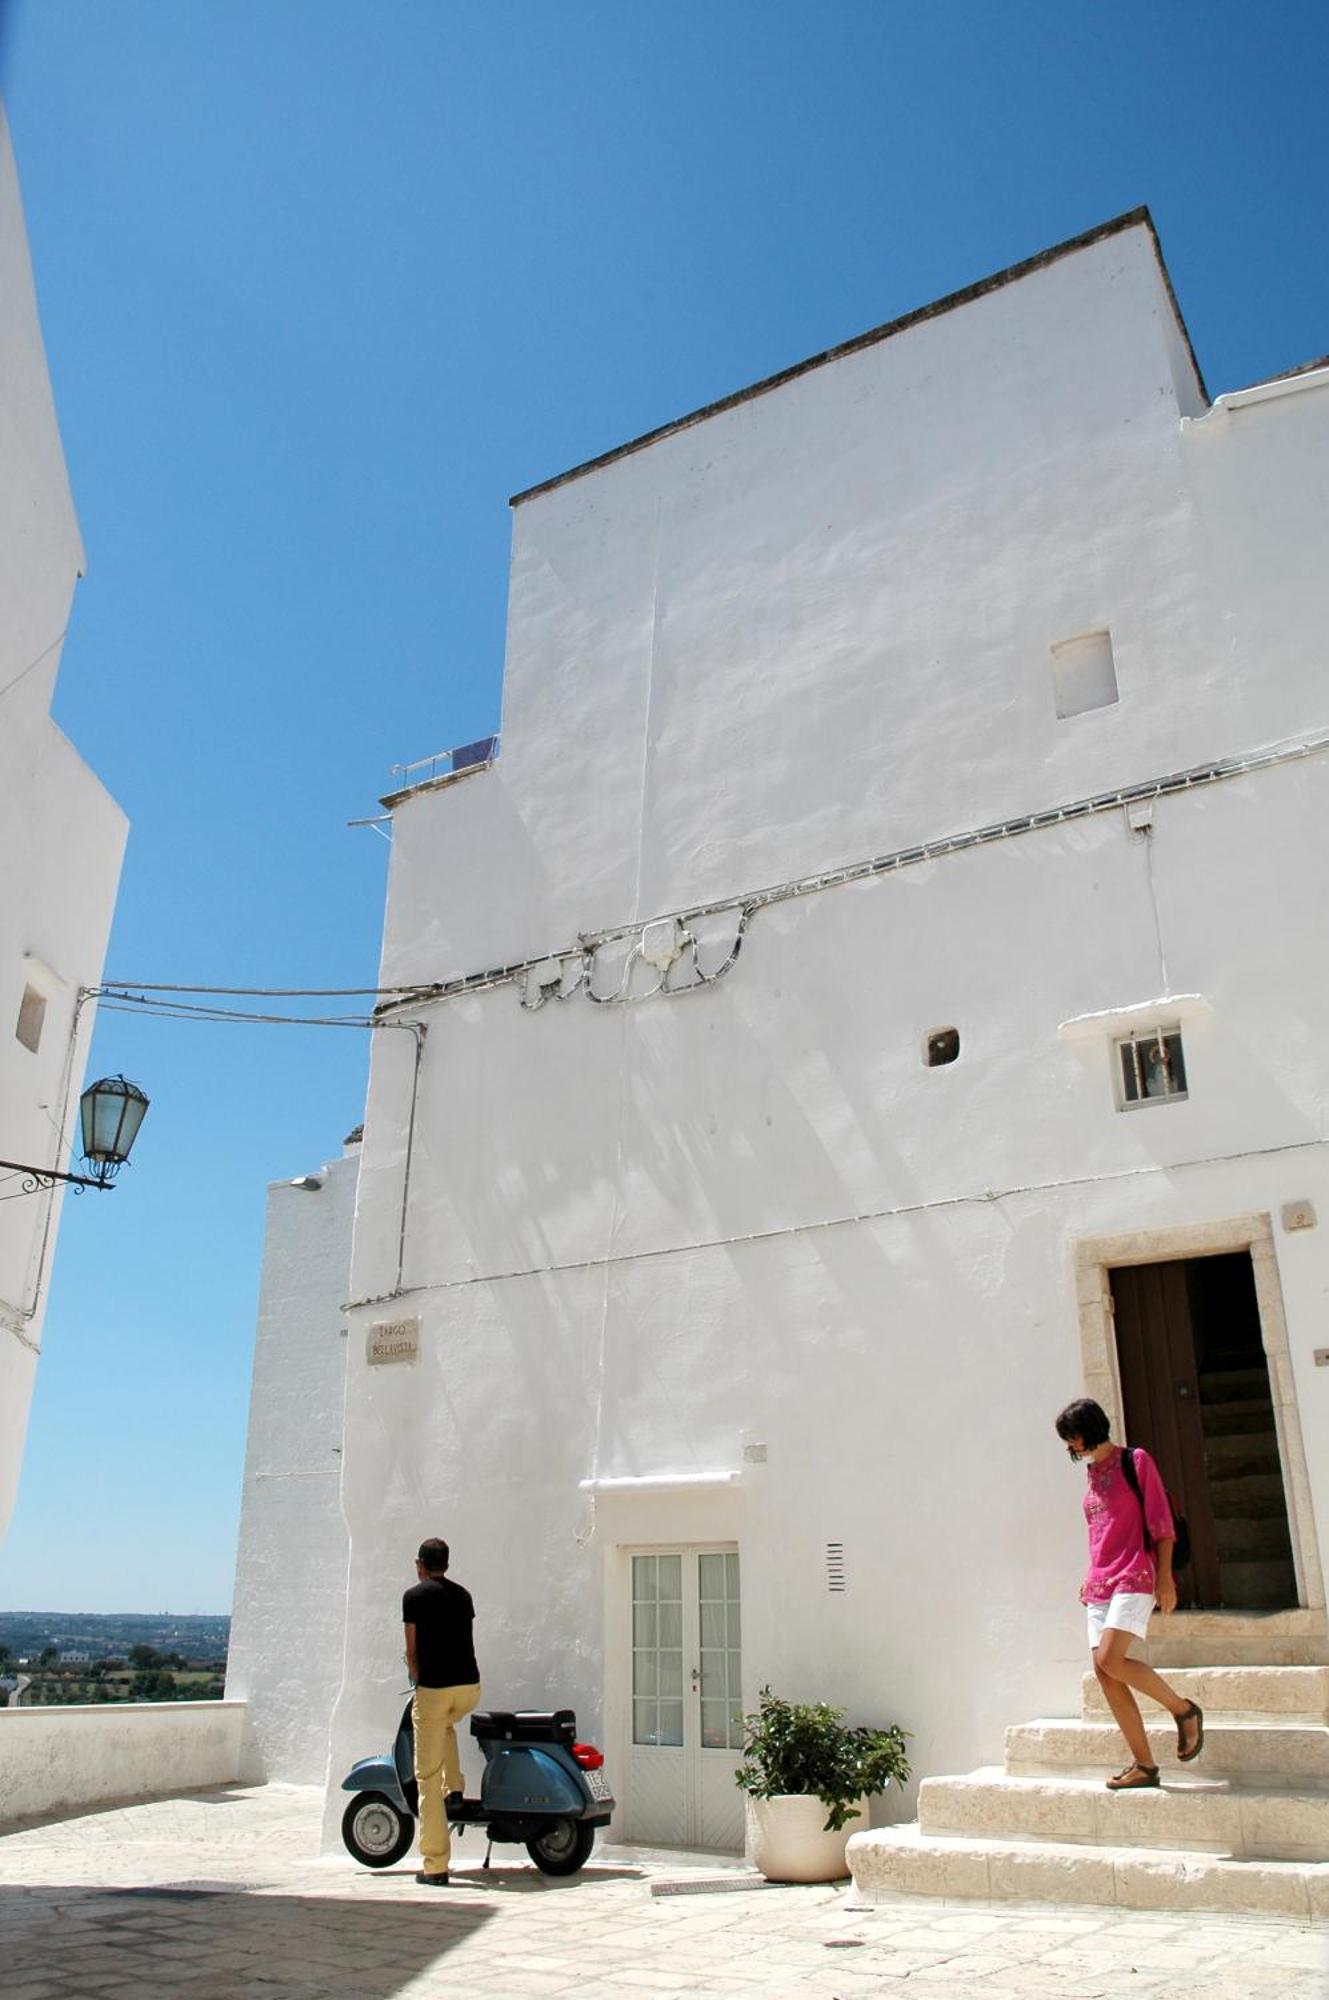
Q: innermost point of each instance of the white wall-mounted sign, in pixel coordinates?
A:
(393, 1340)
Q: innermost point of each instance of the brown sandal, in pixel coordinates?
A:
(1135, 1778)
(1193, 1714)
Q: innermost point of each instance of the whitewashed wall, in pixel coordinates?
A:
(63, 834)
(62, 1759)
(806, 630)
(288, 1619)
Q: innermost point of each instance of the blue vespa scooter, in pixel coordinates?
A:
(541, 1787)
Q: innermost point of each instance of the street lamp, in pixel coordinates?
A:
(111, 1111)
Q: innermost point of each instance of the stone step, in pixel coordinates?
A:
(1247, 1496)
(1284, 1754)
(1217, 1816)
(1292, 1638)
(1223, 1419)
(1250, 1585)
(1253, 1540)
(1292, 1695)
(899, 1861)
(1241, 1451)
(1234, 1385)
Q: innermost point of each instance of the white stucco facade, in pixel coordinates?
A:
(288, 1618)
(63, 835)
(734, 1271)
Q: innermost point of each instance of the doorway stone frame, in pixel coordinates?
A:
(1097, 1256)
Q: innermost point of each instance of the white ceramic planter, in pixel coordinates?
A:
(786, 1841)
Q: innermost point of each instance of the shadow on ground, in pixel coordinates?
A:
(227, 1944)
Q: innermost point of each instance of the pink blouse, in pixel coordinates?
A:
(1118, 1558)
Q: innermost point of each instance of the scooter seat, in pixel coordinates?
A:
(526, 1725)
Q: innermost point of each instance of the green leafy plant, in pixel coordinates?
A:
(805, 1748)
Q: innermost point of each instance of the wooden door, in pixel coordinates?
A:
(1160, 1389)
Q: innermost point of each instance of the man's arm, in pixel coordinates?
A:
(412, 1668)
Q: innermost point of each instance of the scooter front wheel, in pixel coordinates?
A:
(376, 1832)
(563, 1847)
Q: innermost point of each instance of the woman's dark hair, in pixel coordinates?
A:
(434, 1554)
(1085, 1420)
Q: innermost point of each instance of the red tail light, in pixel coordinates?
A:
(588, 1756)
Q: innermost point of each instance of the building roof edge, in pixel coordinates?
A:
(1133, 218)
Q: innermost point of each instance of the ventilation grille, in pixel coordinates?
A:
(835, 1566)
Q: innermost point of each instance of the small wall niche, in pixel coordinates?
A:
(941, 1046)
(31, 1018)
(1084, 673)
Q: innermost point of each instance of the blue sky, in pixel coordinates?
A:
(322, 284)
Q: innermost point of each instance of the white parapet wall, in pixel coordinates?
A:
(65, 1759)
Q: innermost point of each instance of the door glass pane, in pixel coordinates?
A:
(711, 1576)
(720, 1656)
(657, 1657)
(713, 1629)
(671, 1722)
(714, 1725)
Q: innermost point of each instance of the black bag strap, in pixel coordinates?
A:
(1133, 1481)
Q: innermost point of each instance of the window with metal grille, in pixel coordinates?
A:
(1153, 1068)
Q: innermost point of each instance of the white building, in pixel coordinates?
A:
(62, 834)
(285, 1653)
(891, 941)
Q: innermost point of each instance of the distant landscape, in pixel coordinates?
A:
(75, 1656)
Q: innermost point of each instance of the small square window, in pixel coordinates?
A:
(1084, 674)
(1152, 1068)
(941, 1046)
(31, 1016)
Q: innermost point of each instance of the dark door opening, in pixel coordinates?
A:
(1195, 1385)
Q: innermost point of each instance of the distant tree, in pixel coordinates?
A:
(144, 1656)
(47, 1655)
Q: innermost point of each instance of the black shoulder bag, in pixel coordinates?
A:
(1181, 1547)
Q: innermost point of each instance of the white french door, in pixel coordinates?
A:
(685, 1712)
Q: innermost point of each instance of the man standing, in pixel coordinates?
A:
(440, 1657)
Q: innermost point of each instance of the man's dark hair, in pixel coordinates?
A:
(1085, 1420)
(434, 1553)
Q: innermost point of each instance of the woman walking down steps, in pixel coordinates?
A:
(1130, 1568)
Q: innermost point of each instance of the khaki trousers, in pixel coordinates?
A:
(435, 1713)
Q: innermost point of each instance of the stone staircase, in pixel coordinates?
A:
(1245, 1829)
(1245, 1484)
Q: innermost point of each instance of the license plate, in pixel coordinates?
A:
(600, 1785)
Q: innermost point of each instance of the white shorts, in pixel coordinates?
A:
(1127, 1611)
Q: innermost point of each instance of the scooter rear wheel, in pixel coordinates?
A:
(563, 1847)
(375, 1831)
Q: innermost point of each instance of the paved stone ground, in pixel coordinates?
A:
(216, 1897)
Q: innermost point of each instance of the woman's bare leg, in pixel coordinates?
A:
(1125, 1713)
(1111, 1665)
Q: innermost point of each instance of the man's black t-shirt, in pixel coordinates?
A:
(442, 1614)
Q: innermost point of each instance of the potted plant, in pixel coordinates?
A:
(808, 1779)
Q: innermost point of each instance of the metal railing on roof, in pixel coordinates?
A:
(448, 763)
